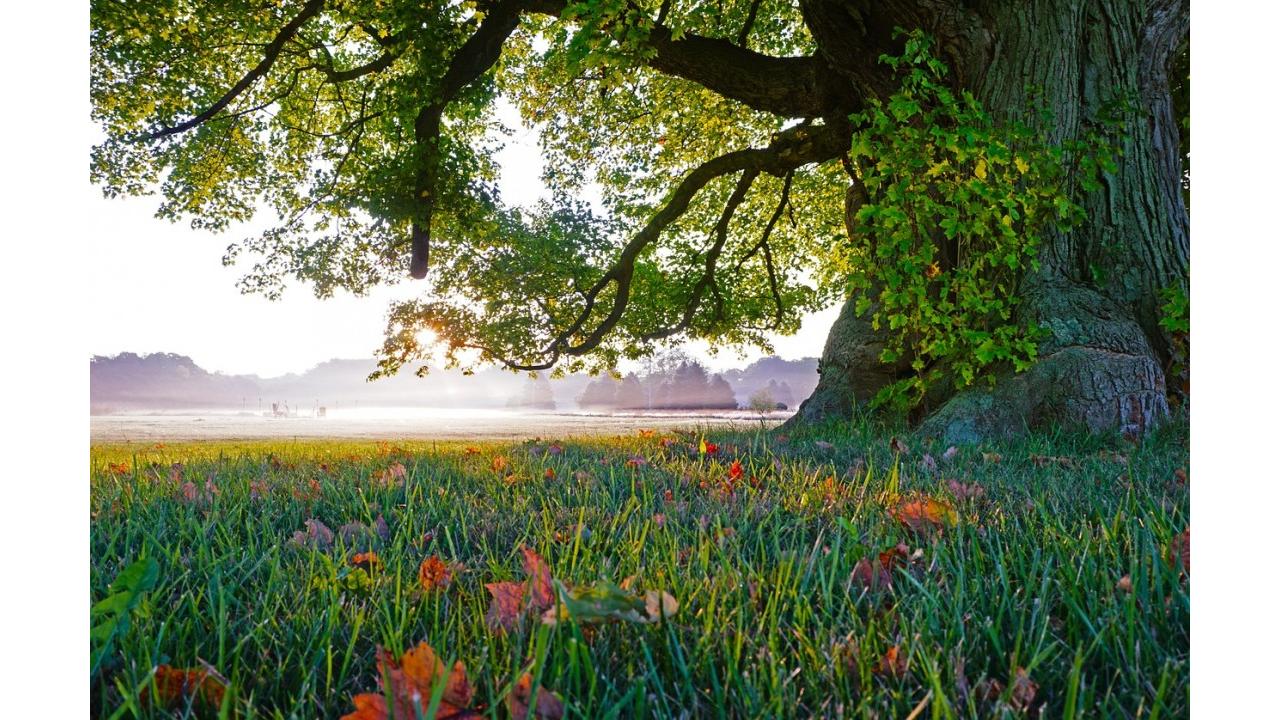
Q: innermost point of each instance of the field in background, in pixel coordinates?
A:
(401, 423)
(837, 574)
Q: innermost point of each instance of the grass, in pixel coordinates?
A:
(771, 621)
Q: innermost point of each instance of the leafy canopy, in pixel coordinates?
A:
(717, 138)
(332, 135)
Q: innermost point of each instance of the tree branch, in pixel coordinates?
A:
(747, 25)
(472, 60)
(721, 233)
(269, 55)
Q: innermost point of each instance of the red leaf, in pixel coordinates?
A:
(540, 589)
(507, 606)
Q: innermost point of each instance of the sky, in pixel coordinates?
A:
(157, 286)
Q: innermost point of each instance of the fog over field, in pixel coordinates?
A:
(168, 396)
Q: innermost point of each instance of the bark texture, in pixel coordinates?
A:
(1097, 290)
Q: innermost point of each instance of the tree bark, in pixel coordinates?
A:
(1097, 289)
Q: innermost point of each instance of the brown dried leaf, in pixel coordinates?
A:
(1022, 691)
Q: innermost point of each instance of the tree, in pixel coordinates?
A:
(723, 140)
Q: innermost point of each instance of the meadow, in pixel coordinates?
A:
(706, 573)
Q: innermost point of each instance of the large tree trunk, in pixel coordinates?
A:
(1096, 292)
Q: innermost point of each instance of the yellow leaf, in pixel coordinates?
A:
(1021, 164)
(981, 170)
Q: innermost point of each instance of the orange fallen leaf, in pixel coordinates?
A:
(410, 684)
(735, 470)
(177, 685)
(546, 706)
(923, 514)
(367, 560)
(893, 664)
(434, 573)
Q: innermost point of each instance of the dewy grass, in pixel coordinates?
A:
(1022, 593)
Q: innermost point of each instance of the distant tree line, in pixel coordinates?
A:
(686, 386)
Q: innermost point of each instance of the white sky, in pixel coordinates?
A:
(157, 286)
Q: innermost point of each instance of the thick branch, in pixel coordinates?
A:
(269, 55)
(789, 150)
(472, 60)
(784, 86)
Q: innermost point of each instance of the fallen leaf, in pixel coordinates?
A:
(395, 474)
(659, 605)
(1022, 691)
(317, 535)
(990, 457)
(965, 491)
(434, 573)
(735, 470)
(1124, 584)
(507, 606)
(174, 686)
(923, 514)
(411, 683)
(366, 560)
(549, 474)
(876, 573)
(541, 592)
(893, 664)
(546, 706)
(898, 446)
(1180, 477)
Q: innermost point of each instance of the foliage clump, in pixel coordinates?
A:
(946, 214)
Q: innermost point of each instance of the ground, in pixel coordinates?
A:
(836, 574)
